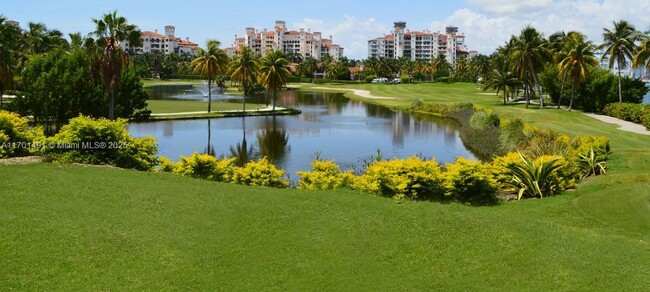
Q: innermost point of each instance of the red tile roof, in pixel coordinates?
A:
(152, 34)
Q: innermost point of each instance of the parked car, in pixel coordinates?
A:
(380, 80)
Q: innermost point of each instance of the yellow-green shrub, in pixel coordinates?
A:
(412, 178)
(326, 175)
(166, 165)
(260, 173)
(470, 181)
(101, 141)
(16, 137)
(203, 166)
(501, 168)
(584, 144)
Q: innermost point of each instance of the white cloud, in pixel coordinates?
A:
(490, 23)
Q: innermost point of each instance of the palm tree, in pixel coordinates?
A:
(210, 63)
(307, 67)
(642, 56)
(619, 45)
(528, 55)
(333, 69)
(274, 73)
(9, 37)
(556, 43)
(245, 68)
(110, 31)
(38, 39)
(479, 67)
(578, 57)
(500, 78)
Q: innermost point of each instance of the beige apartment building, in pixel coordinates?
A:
(419, 45)
(302, 42)
(167, 43)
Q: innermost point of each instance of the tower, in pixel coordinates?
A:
(169, 30)
(398, 34)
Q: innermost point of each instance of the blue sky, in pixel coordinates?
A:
(486, 23)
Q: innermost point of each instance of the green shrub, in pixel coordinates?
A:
(411, 178)
(404, 79)
(539, 142)
(591, 165)
(512, 134)
(326, 175)
(369, 78)
(166, 165)
(470, 181)
(204, 166)
(646, 117)
(632, 112)
(535, 178)
(101, 141)
(482, 120)
(16, 137)
(260, 173)
(582, 145)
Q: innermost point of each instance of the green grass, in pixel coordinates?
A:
(157, 82)
(74, 228)
(175, 106)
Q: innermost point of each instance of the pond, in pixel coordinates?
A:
(329, 127)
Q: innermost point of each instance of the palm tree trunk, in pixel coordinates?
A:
(561, 89)
(571, 102)
(620, 91)
(209, 95)
(1, 101)
(275, 97)
(526, 92)
(532, 70)
(111, 104)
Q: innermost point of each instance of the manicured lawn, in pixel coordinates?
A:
(156, 82)
(88, 228)
(174, 106)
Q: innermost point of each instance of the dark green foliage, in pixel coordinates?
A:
(632, 112)
(61, 85)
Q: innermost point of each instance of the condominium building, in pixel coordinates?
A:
(419, 45)
(166, 43)
(304, 43)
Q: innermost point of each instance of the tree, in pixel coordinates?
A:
(479, 67)
(307, 67)
(245, 68)
(38, 39)
(556, 43)
(274, 73)
(209, 64)
(9, 37)
(112, 29)
(642, 56)
(619, 45)
(528, 56)
(500, 78)
(578, 58)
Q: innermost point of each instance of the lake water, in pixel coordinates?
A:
(330, 127)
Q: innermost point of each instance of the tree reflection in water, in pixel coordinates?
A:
(273, 142)
(209, 149)
(241, 151)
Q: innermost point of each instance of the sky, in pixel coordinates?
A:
(486, 24)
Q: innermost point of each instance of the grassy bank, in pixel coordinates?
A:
(74, 227)
(71, 227)
(175, 106)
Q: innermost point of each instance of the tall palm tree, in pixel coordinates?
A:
(210, 63)
(110, 30)
(619, 44)
(9, 38)
(245, 68)
(642, 56)
(556, 43)
(274, 73)
(308, 67)
(528, 55)
(578, 58)
(38, 39)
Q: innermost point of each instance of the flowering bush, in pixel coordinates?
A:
(326, 175)
(260, 173)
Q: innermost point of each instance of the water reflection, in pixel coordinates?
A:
(241, 151)
(338, 128)
(273, 141)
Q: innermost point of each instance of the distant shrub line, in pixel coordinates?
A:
(631, 112)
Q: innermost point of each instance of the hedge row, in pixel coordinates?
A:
(631, 112)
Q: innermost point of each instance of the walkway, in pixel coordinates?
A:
(623, 125)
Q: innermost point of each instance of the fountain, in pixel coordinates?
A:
(200, 92)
